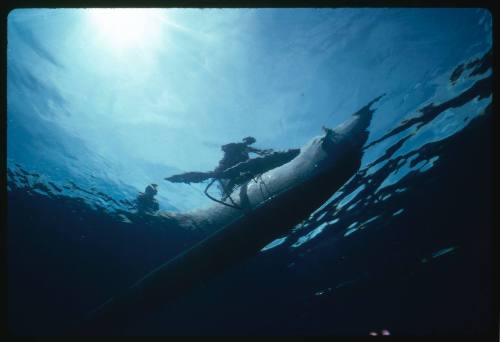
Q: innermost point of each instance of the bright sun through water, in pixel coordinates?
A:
(123, 28)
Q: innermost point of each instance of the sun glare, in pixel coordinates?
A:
(125, 27)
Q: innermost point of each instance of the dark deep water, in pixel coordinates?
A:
(414, 257)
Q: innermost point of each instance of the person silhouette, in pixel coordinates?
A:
(146, 203)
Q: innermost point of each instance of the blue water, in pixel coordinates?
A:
(102, 104)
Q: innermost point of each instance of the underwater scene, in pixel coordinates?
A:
(175, 171)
